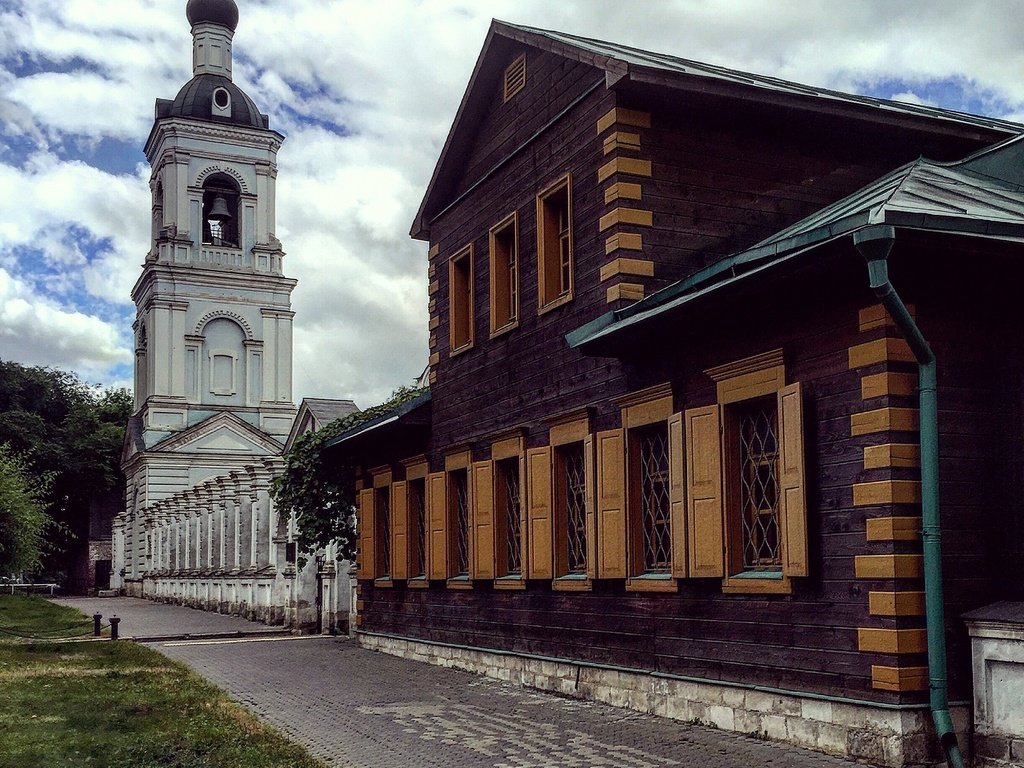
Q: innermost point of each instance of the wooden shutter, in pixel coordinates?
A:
(588, 475)
(539, 530)
(482, 520)
(611, 504)
(677, 495)
(367, 526)
(399, 531)
(705, 499)
(792, 484)
(437, 523)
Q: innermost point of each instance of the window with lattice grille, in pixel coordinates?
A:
(515, 77)
(382, 536)
(572, 501)
(655, 504)
(759, 485)
(418, 517)
(509, 517)
(459, 516)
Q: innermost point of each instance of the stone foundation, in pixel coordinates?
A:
(873, 734)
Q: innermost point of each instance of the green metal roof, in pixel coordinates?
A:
(982, 194)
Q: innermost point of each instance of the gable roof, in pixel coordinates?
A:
(981, 195)
(623, 65)
(241, 437)
(314, 413)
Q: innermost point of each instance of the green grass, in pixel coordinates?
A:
(117, 704)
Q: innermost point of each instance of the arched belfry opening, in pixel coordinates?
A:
(221, 211)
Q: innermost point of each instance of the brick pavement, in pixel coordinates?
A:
(360, 709)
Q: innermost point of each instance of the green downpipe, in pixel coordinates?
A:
(874, 244)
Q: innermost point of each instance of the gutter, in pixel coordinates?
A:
(874, 244)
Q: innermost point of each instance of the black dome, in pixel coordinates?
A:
(223, 12)
(195, 100)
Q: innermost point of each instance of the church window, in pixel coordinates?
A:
(221, 199)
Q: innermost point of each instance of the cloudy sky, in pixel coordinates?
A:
(365, 92)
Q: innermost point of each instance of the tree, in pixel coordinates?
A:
(23, 521)
(319, 492)
(69, 433)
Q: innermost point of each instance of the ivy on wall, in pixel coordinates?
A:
(317, 490)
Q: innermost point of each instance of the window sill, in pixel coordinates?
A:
(509, 582)
(506, 328)
(572, 583)
(419, 582)
(460, 350)
(459, 582)
(753, 583)
(555, 303)
(652, 583)
(383, 582)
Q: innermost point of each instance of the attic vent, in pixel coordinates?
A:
(515, 77)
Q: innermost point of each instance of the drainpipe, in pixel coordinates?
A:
(874, 244)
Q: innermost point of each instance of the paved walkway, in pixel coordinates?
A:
(360, 709)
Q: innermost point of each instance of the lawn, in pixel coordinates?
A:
(116, 704)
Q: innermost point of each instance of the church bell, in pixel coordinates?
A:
(219, 210)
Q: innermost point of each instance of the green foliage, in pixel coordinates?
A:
(319, 491)
(70, 433)
(23, 523)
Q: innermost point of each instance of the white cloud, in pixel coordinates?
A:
(36, 331)
(366, 93)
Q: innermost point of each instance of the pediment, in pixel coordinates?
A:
(221, 434)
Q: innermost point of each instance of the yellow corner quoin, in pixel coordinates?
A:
(435, 359)
(435, 321)
(622, 190)
(895, 641)
(626, 241)
(892, 455)
(632, 117)
(888, 566)
(894, 529)
(633, 216)
(621, 140)
(888, 384)
(884, 420)
(896, 603)
(899, 678)
(885, 350)
(628, 165)
(433, 288)
(434, 250)
(627, 291)
(624, 266)
(876, 316)
(887, 492)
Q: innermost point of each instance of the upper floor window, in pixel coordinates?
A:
(221, 200)
(460, 290)
(554, 244)
(504, 246)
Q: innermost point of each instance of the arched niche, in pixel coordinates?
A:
(223, 359)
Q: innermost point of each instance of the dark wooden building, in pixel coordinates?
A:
(670, 455)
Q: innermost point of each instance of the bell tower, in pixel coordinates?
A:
(213, 322)
(213, 326)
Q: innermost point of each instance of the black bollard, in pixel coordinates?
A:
(114, 621)
(96, 619)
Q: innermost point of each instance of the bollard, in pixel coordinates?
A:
(96, 619)
(114, 621)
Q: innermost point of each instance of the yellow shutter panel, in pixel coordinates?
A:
(792, 484)
(367, 524)
(437, 522)
(399, 531)
(482, 520)
(588, 478)
(677, 495)
(611, 504)
(538, 478)
(704, 498)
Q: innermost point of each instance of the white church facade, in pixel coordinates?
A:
(213, 368)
